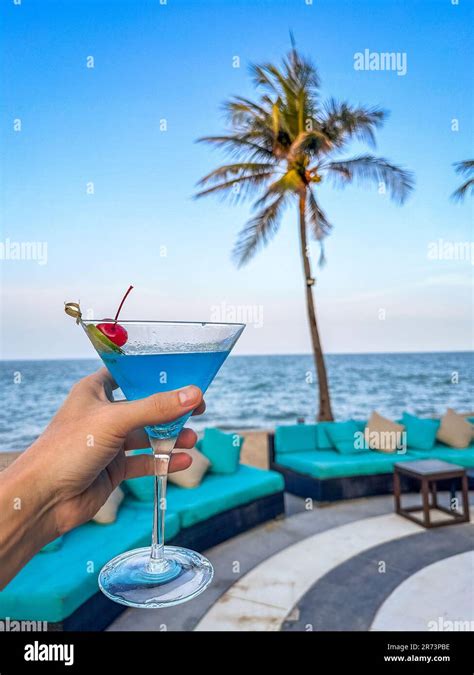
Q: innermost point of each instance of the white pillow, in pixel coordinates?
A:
(107, 513)
(382, 434)
(454, 430)
(193, 475)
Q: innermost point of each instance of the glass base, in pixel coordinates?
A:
(131, 580)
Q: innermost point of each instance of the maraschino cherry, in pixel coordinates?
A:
(113, 330)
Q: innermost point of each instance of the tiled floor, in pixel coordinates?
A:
(449, 605)
(297, 573)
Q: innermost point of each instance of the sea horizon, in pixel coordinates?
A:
(254, 391)
(266, 354)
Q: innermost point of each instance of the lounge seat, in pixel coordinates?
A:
(220, 492)
(312, 467)
(52, 585)
(462, 456)
(61, 586)
(331, 464)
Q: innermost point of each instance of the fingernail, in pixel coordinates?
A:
(187, 396)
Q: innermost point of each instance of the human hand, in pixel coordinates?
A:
(83, 448)
(68, 473)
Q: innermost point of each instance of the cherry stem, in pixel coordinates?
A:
(121, 304)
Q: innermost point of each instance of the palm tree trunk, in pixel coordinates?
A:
(325, 412)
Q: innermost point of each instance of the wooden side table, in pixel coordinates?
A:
(428, 472)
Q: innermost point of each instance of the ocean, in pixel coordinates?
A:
(253, 392)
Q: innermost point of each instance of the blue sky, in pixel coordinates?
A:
(174, 62)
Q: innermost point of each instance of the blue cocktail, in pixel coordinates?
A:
(141, 375)
(146, 358)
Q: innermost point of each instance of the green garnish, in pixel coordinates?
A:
(101, 342)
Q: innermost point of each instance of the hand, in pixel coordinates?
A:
(65, 477)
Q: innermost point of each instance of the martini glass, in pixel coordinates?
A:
(157, 357)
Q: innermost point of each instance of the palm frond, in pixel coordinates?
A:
(293, 87)
(247, 168)
(309, 143)
(341, 122)
(462, 190)
(301, 73)
(238, 187)
(272, 79)
(290, 182)
(369, 169)
(464, 168)
(259, 230)
(263, 79)
(240, 145)
(317, 220)
(240, 109)
(318, 224)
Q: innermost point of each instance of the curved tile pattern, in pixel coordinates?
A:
(347, 597)
(248, 550)
(261, 600)
(448, 606)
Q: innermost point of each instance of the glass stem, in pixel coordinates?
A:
(162, 449)
(159, 513)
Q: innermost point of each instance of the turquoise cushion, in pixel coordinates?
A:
(295, 438)
(222, 450)
(343, 436)
(421, 433)
(323, 441)
(361, 424)
(54, 545)
(462, 456)
(50, 587)
(331, 464)
(141, 488)
(220, 492)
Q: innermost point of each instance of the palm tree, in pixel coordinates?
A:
(465, 168)
(283, 144)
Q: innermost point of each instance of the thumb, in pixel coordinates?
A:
(155, 409)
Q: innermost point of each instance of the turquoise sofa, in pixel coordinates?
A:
(312, 466)
(60, 587)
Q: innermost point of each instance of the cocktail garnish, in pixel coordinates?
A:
(113, 330)
(74, 310)
(101, 341)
